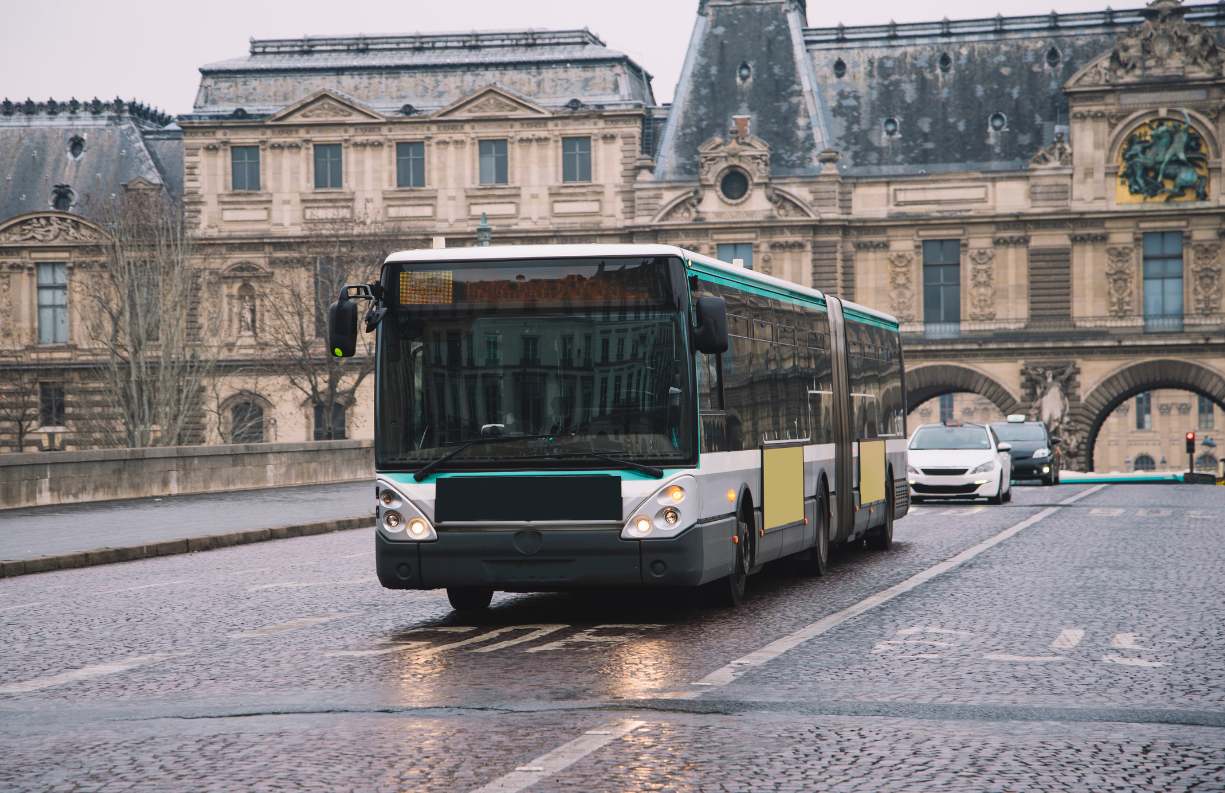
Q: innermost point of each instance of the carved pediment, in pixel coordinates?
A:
(680, 209)
(245, 269)
(748, 152)
(1056, 155)
(492, 101)
(326, 106)
(57, 228)
(1164, 46)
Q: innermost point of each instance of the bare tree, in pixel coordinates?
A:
(294, 324)
(19, 406)
(144, 311)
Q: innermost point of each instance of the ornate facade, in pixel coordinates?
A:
(1037, 198)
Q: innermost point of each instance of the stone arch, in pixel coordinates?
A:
(1125, 383)
(246, 417)
(932, 380)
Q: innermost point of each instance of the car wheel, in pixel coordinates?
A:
(816, 561)
(469, 599)
(998, 498)
(1008, 495)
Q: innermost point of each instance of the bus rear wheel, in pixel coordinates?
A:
(469, 598)
(881, 538)
(816, 561)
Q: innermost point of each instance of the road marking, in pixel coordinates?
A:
(305, 584)
(286, 627)
(1199, 514)
(590, 636)
(1105, 512)
(1067, 639)
(559, 759)
(136, 588)
(22, 606)
(1029, 659)
(1126, 641)
(1154, 513)
(84, 673)
(539, 632)
(911, 631)
(729, 672)
(1122, 661)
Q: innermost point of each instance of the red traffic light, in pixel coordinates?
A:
(1191, 436)
(1190, 443)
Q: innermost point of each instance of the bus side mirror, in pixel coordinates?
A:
(342, 326)
(710, 334)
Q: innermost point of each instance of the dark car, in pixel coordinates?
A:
(1035, 454)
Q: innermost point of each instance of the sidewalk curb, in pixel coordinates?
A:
(207, 542)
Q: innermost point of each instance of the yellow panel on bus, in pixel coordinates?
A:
(871, 471)
(782, 485)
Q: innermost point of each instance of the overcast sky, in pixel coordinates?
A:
(150, 50)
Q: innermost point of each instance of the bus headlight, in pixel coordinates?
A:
(393, 520)
(668, 512)
(399, 519)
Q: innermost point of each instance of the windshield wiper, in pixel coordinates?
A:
(642, 468)
(431, 466)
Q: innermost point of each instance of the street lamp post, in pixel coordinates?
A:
(484, 233)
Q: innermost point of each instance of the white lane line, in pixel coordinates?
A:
(137, 588)
(726, 674)
(84, 673)
(559, 759)
(1024, 659)
(20, 606)
(1121, 661)
(1105, 512)
(424, 644)
(928, 629)
(540, 631)
(1067, 639)
(286, 627)
(593, 636)
(1126, 641)
(305, 584)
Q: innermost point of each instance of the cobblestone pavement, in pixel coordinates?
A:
(1083, 651)
(43, 531)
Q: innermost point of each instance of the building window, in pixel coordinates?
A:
(493, 162)
(1144, 411)
(246, 423)
(330, 431)
(51, 404)
(1206, 407)
(942, 287)
(731, 251)
(410, 165)
(328, 168)
(734, 185)
(61, 197)
(53, 303)
(531, 350)
(1144, 463)
(493, 351)
(946, 408)
(1163, 280)
(244, 168)
(576, 159)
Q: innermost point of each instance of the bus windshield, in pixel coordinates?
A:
(567, 362)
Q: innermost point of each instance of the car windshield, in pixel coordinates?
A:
(1028, 431)
(950, 438)
(576, 363)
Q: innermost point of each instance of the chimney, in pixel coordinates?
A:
(740, 127)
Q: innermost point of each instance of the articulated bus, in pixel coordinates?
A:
(599, 416)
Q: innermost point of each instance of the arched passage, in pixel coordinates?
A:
(1132, 380)
(930, 381)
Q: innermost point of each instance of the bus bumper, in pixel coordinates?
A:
(555, 559)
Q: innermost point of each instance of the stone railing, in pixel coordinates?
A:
(1079, 328)
(42, 478)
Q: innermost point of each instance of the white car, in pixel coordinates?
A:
(955, 460)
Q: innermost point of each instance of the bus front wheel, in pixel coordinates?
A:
(469, 598)
(729, 592)
(881, 538)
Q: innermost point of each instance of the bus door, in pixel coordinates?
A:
(843, 511)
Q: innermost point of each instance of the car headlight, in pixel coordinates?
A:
(1041, 453)
(984, 468)
(398, 519)
(669, 511)
(910, 469)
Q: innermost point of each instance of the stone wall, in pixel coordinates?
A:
(44, 478)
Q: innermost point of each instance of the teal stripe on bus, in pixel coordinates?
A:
(765, 290)
(868, 319)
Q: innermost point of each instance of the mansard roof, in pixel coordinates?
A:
(941, 84)
(91, 149)
(426, 71)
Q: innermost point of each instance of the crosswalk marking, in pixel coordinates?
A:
(1067, 639)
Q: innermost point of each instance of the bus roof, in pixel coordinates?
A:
(505, 252)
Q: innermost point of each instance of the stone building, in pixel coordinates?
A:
(1037, 198)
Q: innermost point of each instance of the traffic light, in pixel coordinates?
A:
(1190, 443)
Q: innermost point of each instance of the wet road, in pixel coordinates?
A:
(1071, 640)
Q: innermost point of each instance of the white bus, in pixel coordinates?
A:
(559, 417)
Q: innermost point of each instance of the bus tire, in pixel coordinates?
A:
(815, 561)
(469, 599)
(729, 592)
(881, 538)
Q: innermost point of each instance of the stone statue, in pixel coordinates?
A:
(1053, 405)
(246, 315)
(1171, 152)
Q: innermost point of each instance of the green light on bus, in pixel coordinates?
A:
(337, 352)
